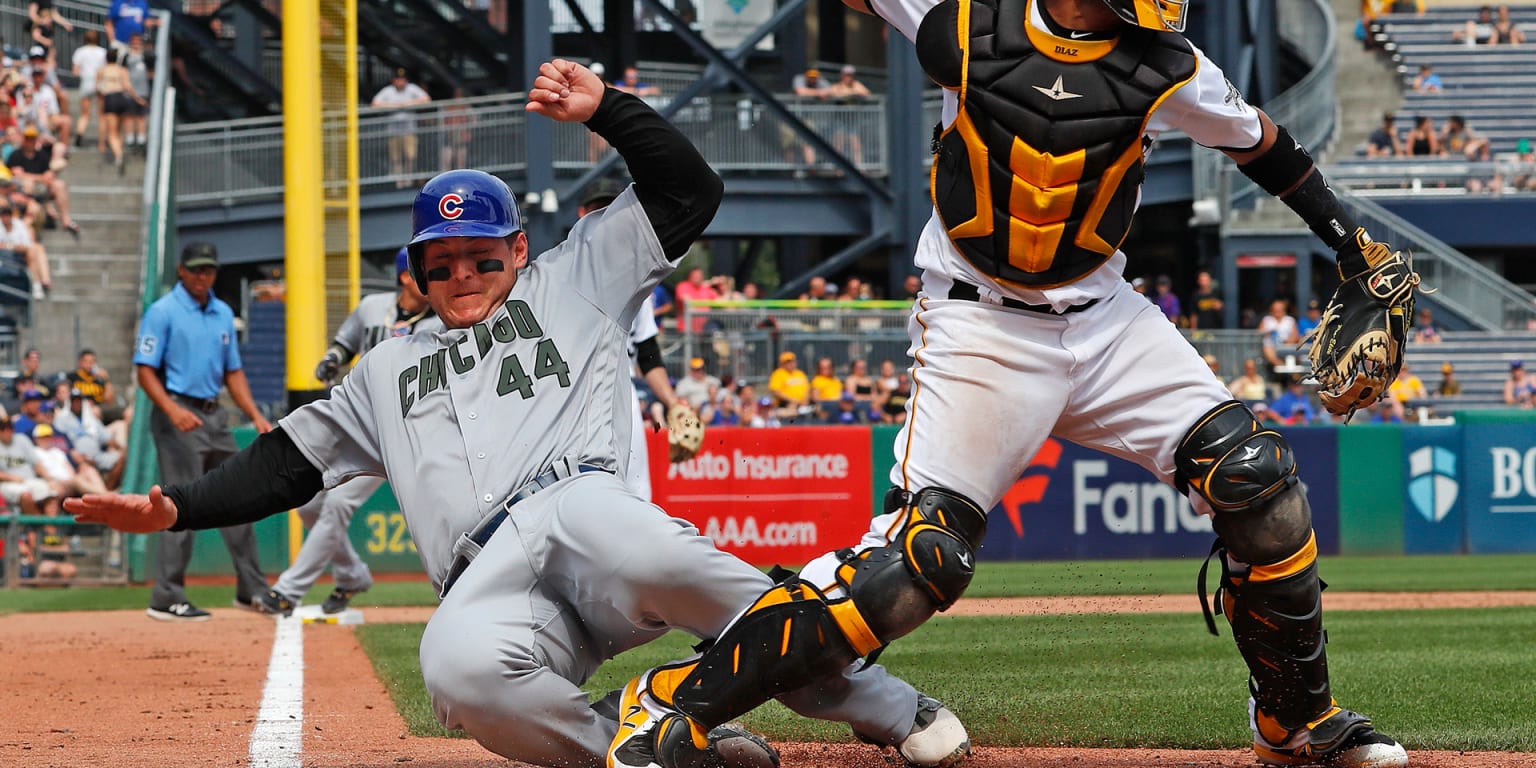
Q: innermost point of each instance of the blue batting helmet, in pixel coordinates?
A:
(402, 260)
(461, 203)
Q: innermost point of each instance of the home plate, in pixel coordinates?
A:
(311, 614)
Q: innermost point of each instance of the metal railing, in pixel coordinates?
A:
(1399, 177)
(16, 32)
(240, 161)
(1462, 285)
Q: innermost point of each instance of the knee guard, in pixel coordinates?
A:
(792, 634)
(1232, 461)
(892, 589)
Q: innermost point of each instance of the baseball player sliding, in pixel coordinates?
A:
(377, 317)
(502, 436)
(1026, 328)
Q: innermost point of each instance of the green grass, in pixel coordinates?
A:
(1442, 679)
(1001, 579)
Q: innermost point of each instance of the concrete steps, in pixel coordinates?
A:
(94, 302)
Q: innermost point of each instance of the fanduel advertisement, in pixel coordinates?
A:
(770, 496)
(1077, 503)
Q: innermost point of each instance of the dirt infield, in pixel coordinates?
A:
(116, 689)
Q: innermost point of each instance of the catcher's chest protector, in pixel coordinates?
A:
(1037, 179)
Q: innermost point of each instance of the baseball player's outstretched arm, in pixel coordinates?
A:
(270, 476)
(678, 190)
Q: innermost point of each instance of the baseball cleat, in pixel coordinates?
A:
(274, 603)
(730, 745)
(178, 612)
(646, 741)
(937, 739)
(338, 600)
(1338, 739)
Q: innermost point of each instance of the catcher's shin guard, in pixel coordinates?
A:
(1276, 614)
(792, 634)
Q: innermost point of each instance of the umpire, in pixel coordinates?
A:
(185, 354)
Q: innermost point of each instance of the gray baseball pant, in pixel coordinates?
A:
(327, 516)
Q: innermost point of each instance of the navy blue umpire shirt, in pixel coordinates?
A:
(192, 346)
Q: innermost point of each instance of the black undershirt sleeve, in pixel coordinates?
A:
(268, 477)
(678, 190)
(648, 355)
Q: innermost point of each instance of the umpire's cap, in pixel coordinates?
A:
(601, 194)
(460, 203)
(199, 254)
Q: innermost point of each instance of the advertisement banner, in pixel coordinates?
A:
(1433, 518)
(1499, 487)
(1077, 503)
(728, 24)
(770, 495)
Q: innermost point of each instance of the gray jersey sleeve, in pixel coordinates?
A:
(612, 258)
(339, 434)
(352, 334)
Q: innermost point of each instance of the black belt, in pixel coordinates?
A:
(469, 544)
(202, 404)
(966, 292)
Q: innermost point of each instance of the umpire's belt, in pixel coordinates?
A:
(203, 404)
(469, 544)
(966, 292)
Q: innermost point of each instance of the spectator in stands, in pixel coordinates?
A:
(1427, 81)
(759, 413)
(136, 61)
(119, 101)
(661, 301)
(1475, 29)
(1424, 328)
(126, 18)
(41, 12)
(1460, 139)
(1278, 331)
(826, 387)
(886, 383)
(816, 290)
(1387, 411)
(1166, 300)
(1384, 141)
(69, 472)
(35, 167)
(1293, 406)
(1309, 321)
(727, 412)
(1518, 388)
(853, 289)
(1520, 168)
(1213, 363)
(31, 363)
(1250, 387)
(694, 288)
(1449, 384)
(21, 484)
(458, 130)
(848, 411)
(1206, 306)
(16, 239)
(1139, 285)
(911, 286)
(29, 411)
(694, 388)
(402, 96)
(50, 103)
(791, 388)
(631, 83)
(81, 424)
(845, 136)
(1407, 387)
(750, 291)
(810, 88)
(1421, 139)
(894, 410)
(86, 62)
(91, 379)
(860, 384)
(1505, 31)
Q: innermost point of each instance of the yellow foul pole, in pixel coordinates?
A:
(304, 225)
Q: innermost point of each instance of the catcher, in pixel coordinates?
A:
(1025, 328)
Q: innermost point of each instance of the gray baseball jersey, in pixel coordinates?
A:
(376, 318)
(458, 419)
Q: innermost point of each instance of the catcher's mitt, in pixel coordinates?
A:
(1357, 347)
(685, 433)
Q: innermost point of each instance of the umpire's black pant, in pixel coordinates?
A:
(184, 457)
